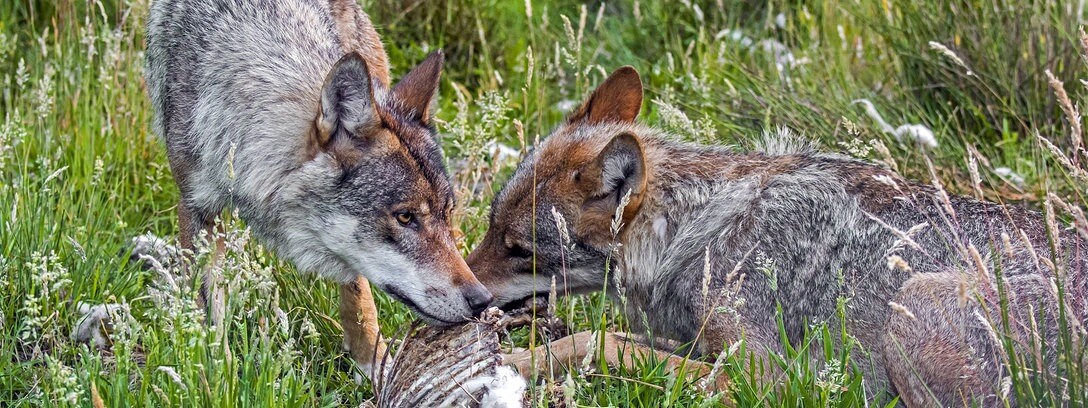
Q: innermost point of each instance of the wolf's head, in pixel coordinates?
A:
(583, 171)
(372, 197)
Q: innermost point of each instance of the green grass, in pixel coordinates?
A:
(80, 172)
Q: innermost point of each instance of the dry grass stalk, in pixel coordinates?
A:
(1072, 114)
(1080, 222)
(1063, 159)
(902, 310)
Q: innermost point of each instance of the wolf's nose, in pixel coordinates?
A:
(478, 298)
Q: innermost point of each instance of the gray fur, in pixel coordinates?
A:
(798, 229)
(783, 141)
(237, 90)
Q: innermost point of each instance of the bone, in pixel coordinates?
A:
(452, 366)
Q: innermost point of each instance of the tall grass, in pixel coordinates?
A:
(80, 173)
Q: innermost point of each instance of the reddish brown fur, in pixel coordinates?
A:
(357, 34)
(925, 353)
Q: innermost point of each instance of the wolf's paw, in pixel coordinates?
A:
(97, 322)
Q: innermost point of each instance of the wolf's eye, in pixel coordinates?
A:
(404, 218)
(518, 251)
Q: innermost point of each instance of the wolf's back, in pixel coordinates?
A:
(241, 79)
(240, 55)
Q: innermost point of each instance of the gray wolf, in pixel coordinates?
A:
(283, 110)
(706, 243)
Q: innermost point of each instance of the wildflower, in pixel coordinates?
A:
(39, 302)
(769, 268)
(63, 382)
(174, 376)
(851, 127)
(675, 120)
(126, 329)
(832, 377)
(10, 134)
(282, 321)
(88, 39)
(111, 59)
(43, 93)
(21, 75)
(309, 331)
(99, 168)
(857, 147)
(783, 57)
(7, 45)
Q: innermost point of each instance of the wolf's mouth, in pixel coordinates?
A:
(401, 297)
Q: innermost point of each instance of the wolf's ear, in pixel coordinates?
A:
(417, 90)
(619, 169)
(617, 100)
(347, 101)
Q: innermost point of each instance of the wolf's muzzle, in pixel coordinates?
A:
(477, 297)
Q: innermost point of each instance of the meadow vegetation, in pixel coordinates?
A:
(998, 83)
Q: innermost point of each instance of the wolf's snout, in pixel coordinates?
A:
(478, 298)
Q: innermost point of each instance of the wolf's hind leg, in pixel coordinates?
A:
(359, 318)
(617, 349)
(938, 350)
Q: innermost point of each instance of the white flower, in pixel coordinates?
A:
(63, 383)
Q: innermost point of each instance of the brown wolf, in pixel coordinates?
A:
(282, 109)
(713, 241)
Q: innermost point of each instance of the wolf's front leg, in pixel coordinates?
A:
(616, 349)
(191, 223)
(359, 317)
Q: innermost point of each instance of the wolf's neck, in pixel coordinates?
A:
(684, 177)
